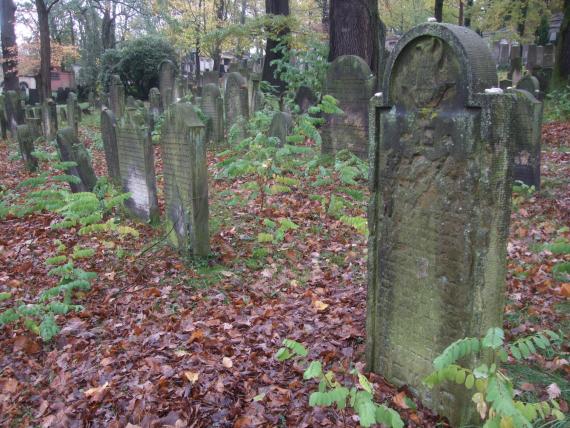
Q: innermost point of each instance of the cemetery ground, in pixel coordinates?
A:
(164, 341)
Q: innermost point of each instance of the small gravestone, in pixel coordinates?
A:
(136, 165)
(531, 85)
(183, 142)
(548, 61)
(211, 77)
(351, 82)
(166, 74)
(503, 55)
(109, 137)
(131, 102)
(62, 113)
(91, 99)
(439, 215)
(73, 112)
(117, 96)
(212, 105)
(305, 98)
(26, 145)
(281, 126)
(531, 58)
(154, 100)
(515, 70)
(14, 111)
(104, 100)
(70, 149)
(49, 119)
(236, 99)
(257, 98)
(527, 135)
(540, 56)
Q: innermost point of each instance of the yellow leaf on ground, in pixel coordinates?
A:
(192, 376)
(320, 306)
(227, 362)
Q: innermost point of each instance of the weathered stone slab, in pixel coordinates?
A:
(527, 135)
(131, 102)
(504, 55)
(117, 96)
(531, 57)
(212, 105)
(34, 124)
(70, 149)
(49, 119)
(136, 165)
(185, 170)
(236, 99)
(166, 75)
(281, 127)
(549, 54)
(256, 96)
(530, 84)
(14, 111)
(26, 145)
(439, 213)
(351, 82)
(305, 98)
(109, 137)
(73, 112)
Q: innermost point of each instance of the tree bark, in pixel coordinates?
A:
(108, 38)
(354, 29)
(9, 46)
(460, 17)
(561, 72)
(45, 50)
(438, 10)
(468, 13)
(274, 7)
(325, 14)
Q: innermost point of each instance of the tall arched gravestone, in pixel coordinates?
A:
(136, 165)
(527, 132)
(185, 170)
(236, 99)
(212, 105)
(351, 82)
(166, 82)
(117, 96)
(109, 137)
(440, 207)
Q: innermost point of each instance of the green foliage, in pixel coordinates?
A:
(359, 395)
(136, 62)
(557, 106)
(494, 392)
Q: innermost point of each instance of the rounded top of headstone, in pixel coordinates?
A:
(116, 79)
(530, 84)
(154, 91)
(435, 63)
(235, 78)
(181, 116)
(210, 90)
(349, 67)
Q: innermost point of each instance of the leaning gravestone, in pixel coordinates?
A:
(117, 96)
(212, 106)
(136, 165)
(109, 137)
(305, 98)
(70, 149)
(183, 142)
(166, 74)
(73, 112)
(351, 82)
(49, 119)
(281, 126)
(26, 139)
(527, 133)
(236, 99)
(440, 207)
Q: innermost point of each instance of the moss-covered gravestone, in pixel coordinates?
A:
(109, 138)
(34, 123)
(136, 165)
(212, 105)
(25, 138)
(256, 96)
(281, 127)
(236, 101)
(117, 96)
(351, 82)
(305, 98)
(73, 112)
(49, 119)
(155, 103)
(166, 75)
(70, 149)
(185, 170)
(531, 85)
(14, 111)
(527, 130)
(440, 207)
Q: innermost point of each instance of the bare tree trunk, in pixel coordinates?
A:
(9, 46)
(274, 7)
(561, 72)
(220, 6)
(108, 38)
(468, 13)
(45, 50)
(438, 10)
(325, 14)
(460, 17)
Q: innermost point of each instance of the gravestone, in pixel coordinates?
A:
(351, 82)
(183, 142)
(281, 126)
(70, 149)
(236, 99)
(62, 113)
(548, 60)
(14, 111)
(539, 56)
(109, 137)
(117, 96)
(131, 102)
(154, 100)
(211, 77)
(305, 98)
(212, 106)
(496, 51)
(256, 102)
(34, 123)
(515, 70)
(73, 112)
(136, 165)
(503, 55)
(166, 74)
(531, 85)
(527, 134)
(49, 119)
(440, 207)
(531, 58)
(26, 139)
